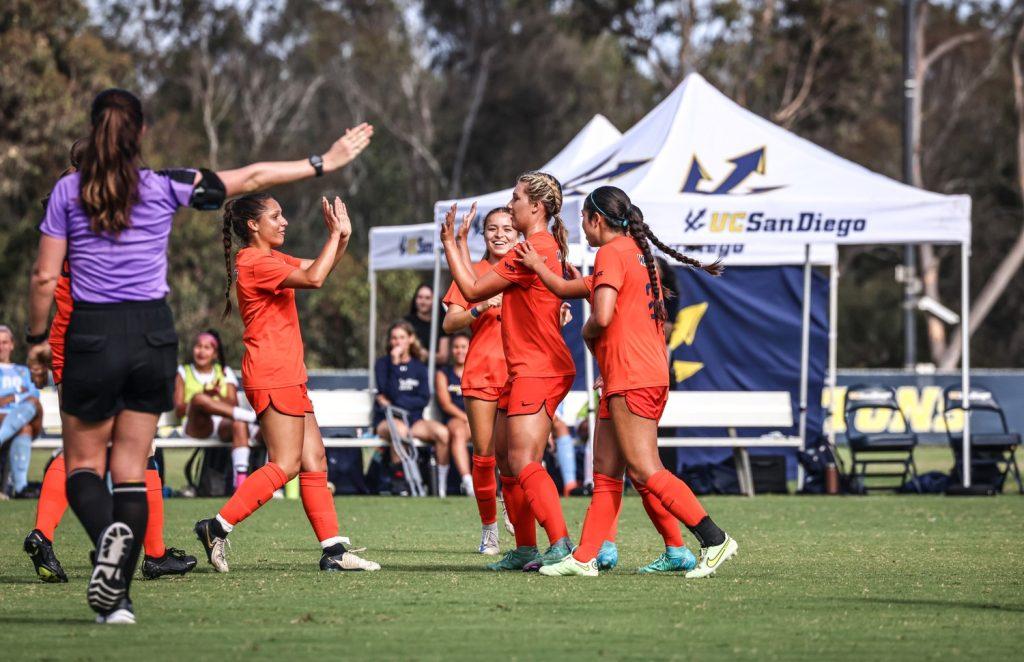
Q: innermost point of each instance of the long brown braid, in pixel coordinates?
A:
(237, 214)
(620, 214)
(547, 190)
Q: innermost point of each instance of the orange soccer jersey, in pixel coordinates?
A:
(485, 363)
(530, 329)
(631, 352)
(59, 326)
(273, 341)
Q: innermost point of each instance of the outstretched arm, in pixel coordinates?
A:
(560, 287)
(264, 175)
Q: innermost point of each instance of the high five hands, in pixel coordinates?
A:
(336, 218)
(448, 232)
(346, 148)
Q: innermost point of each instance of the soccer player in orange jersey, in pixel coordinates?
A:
(540, 366)
(625, 332)
(274, 373)
(486, 371)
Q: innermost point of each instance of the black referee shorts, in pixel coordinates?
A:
(119, 356)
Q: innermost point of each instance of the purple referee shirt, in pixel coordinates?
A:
(131, 266)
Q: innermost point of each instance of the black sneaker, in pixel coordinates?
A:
(173, 562)
(399, 485)
(107, 586)
(40, 550)
(122, 614)
(214, 541)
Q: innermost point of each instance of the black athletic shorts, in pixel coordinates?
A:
(119, 356)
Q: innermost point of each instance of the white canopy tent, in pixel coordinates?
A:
(706, 171)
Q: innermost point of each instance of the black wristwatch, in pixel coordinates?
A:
(36, 339)
(317, 162)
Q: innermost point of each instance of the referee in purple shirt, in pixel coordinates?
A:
(112, 219)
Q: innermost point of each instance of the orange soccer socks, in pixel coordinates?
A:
(485, 487)
(542, 495)
(602, 516)
(154, 538)
(53, 498)
(318, 502)
(257, 489)
(666, 524)
(519, 512)
(678, 499)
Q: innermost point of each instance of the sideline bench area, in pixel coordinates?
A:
(351, 411)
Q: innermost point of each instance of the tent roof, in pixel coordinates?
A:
(704, 170)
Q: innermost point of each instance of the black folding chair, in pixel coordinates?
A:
(993, 446)
(884, 450)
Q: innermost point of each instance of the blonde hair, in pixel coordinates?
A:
(545, 189)
(416, 349)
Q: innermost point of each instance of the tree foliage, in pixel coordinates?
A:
(465, 95)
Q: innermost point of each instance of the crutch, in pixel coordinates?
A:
(405, 449)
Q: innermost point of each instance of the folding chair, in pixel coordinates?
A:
(885, 449)
(405, 449)
(993, 446)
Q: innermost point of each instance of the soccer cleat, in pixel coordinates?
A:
(515, 559)
(40, 550)
(346, 561)
(570, 567)
(673, 559)
(107, 586)
(554, 554)
(173, 562)
(607, 556)
(508, 520)
(122, 614)
(711, 558)
(489, 540)
(215, 546)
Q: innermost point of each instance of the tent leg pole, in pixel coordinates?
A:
(833, 349)
(965, 355)
(371, 343)
(432, 350)
(588, 457)
(805, 351)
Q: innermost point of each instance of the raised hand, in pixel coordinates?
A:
(336, 218)
(346, 148)
(448, 225)
(467, 223)
(564, 314)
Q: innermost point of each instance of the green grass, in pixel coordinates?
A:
(817, 578)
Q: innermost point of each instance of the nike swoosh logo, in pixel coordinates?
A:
(713, 562)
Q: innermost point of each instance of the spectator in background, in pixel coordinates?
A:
(401, 378)
(565, 450)
(19, 408)
(420, 309)
(206, 399)
(448, 387)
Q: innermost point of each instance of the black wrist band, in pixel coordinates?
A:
(317, 162)
(36, 339)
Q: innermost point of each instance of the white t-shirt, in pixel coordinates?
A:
(205, 378)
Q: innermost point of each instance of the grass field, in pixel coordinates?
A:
(817, 578)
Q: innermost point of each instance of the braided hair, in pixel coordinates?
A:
(237, 214)
(545, 189)
(619, 213)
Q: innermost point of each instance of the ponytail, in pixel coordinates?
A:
(237, 214)
(109, 185)
(620, 214)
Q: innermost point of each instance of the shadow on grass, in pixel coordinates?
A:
(946, 604)
(29, 619)
(20, 580)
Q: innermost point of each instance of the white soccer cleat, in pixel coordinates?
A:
(570, 567)
(489, 540)
(711, 558)
(347, 561)
(107, 585)
(214, 545)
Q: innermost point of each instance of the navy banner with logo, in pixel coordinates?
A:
(741, 331)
